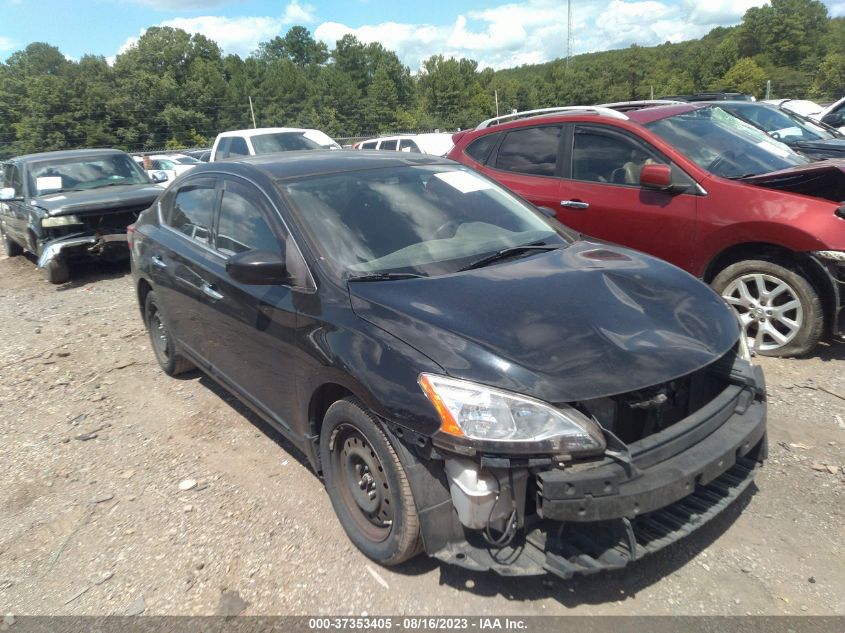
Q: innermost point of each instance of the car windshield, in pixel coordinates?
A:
(782, 124)
(282, 142)
(74, 174)
(723, 144)
(424, 220)
(185, 160)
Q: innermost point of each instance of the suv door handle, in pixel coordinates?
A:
(574, 204)
(158, 262)
(209, 291)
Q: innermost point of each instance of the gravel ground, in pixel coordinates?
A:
(125, 491)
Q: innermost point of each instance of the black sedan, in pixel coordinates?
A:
(471, 378)
(811, 138)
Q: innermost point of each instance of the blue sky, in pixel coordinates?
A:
(496, 34)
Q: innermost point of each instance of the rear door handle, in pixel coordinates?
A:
(574, 204)
(158, 262)
(209, 291)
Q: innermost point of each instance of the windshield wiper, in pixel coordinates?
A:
(509, 252)
(385, 277)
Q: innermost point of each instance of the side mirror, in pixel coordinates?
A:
(256, 268)
(834, 119)
(7, 193)
(159, 176)
(656, 176)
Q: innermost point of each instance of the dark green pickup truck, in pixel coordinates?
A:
(73, 204)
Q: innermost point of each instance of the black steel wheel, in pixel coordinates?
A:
(367, 484)
(170, 361)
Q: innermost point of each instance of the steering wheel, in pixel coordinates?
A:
(721, 160)
(444, 229)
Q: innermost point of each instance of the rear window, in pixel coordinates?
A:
(282, 142)
(480, 148)
(530, 150)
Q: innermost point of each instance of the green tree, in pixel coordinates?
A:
(745, 76)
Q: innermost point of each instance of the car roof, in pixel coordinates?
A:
(67, 153)
(263, 130)
(647, 115)
(304, 163)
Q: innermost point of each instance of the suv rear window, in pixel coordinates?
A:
(480, 148)
(530, 150)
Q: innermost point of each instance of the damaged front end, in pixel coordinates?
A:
(85, 234)
(675, 455)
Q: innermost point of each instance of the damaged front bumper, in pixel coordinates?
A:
(603, 515)
(93, 245)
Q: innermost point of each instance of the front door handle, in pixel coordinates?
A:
(209, 291)
(574, 204)
(158, 262)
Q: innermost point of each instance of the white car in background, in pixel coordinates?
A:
(268, 140)
(834, 115)
(436, 143)
(804, 107)
(172, 165)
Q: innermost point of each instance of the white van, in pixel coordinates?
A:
(268, 140)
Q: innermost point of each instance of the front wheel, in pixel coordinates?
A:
(367, 484)
(56, 271)
(780, 311)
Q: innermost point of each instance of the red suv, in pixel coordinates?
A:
(698, 187)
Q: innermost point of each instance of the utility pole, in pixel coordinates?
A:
(252, 112)
(568, 31)
(496, 95)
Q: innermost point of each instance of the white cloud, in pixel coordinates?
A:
(507, 35)
(296, 13)
(181, 5)
(238, 35)
(718, 12)
(7, 43)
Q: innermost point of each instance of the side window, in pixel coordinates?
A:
(238, 147)
(191, 209)
(369, 145)
(242, 225)
(407, 145)
(391, 145)
(13, 178)
(223, 148)
(530, 150)
(479, 150)
(600, 156)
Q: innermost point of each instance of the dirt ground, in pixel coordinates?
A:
(95, 441)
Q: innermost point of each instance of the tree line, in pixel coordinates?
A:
(173, 89)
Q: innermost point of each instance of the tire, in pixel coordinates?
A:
(13, 249)
(779, 309)
(56, 271)
(367, 484)
(170, 361)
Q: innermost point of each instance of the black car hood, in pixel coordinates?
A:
(98, 200)
(577, 323)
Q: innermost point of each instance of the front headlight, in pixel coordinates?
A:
(60, 220)
(489, 416)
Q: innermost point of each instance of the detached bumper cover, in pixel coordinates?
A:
(607, 515)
